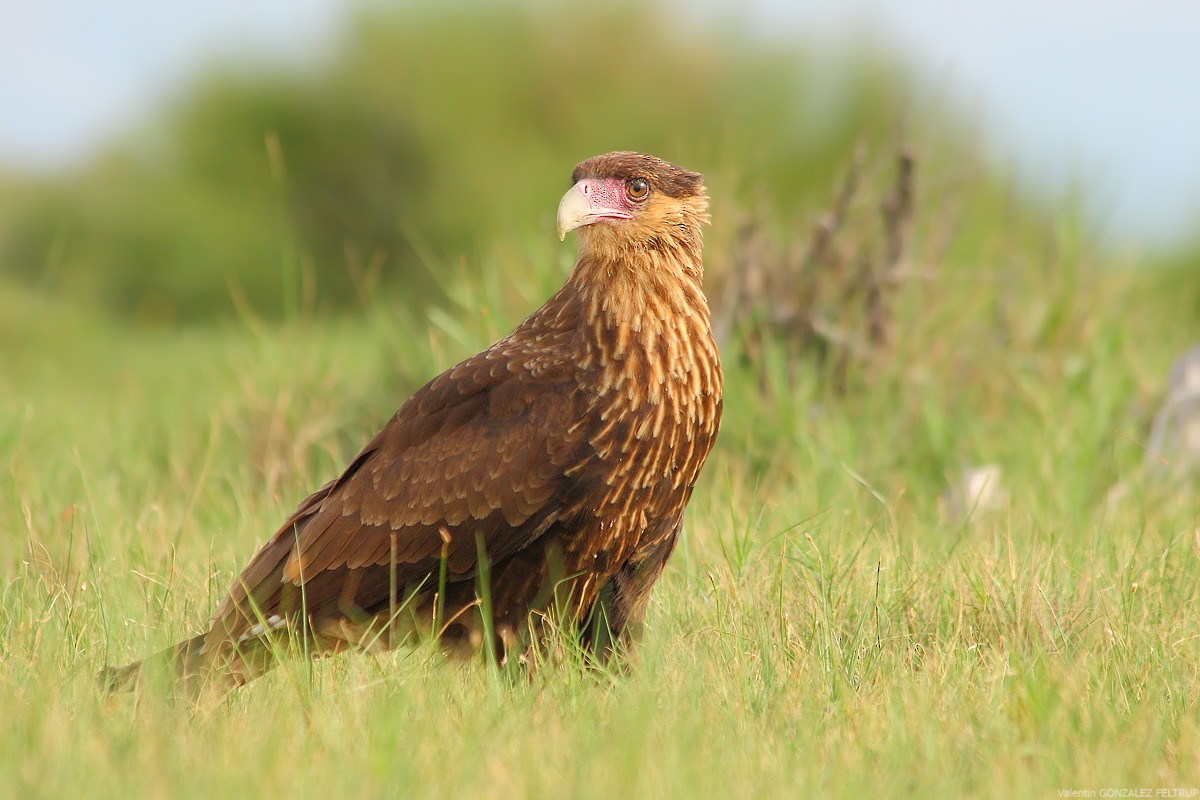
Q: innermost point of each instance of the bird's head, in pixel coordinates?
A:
(621, 201)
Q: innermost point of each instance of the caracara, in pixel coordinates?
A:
(545, 477)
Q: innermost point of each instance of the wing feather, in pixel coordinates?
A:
(487, 448)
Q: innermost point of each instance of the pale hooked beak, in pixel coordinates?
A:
(580, 206)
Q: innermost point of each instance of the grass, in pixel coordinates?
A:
(826, 627)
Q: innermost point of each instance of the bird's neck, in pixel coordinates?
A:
(623, 284)
(645, 325)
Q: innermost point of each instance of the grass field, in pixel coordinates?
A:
(827, 627)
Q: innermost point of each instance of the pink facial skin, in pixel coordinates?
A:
(607, 198)
(593, 200)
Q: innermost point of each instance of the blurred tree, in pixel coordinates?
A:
(433, 129)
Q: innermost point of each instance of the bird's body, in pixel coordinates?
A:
(563, 456)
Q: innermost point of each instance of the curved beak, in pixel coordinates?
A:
(578, 207)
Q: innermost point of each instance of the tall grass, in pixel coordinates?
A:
(828, 626)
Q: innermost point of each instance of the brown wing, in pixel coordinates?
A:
(487, 448)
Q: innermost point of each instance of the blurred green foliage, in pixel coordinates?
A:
(430, 133)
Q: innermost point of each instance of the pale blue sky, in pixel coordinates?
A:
(1105, 89)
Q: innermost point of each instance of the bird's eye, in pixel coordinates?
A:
(637, 188)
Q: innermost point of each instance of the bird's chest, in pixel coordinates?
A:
(650, 409)
(653, 424)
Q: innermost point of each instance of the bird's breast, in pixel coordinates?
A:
(654, 389)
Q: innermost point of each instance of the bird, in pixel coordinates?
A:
(543, 479)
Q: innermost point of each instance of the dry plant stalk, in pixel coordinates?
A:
(834, 297)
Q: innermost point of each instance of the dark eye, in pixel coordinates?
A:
(637, 188)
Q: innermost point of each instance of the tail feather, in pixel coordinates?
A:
(195, 663)
(182, 663)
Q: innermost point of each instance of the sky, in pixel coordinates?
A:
(1106, 91)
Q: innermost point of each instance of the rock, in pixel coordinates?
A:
(978, 491)
(1173, 448)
